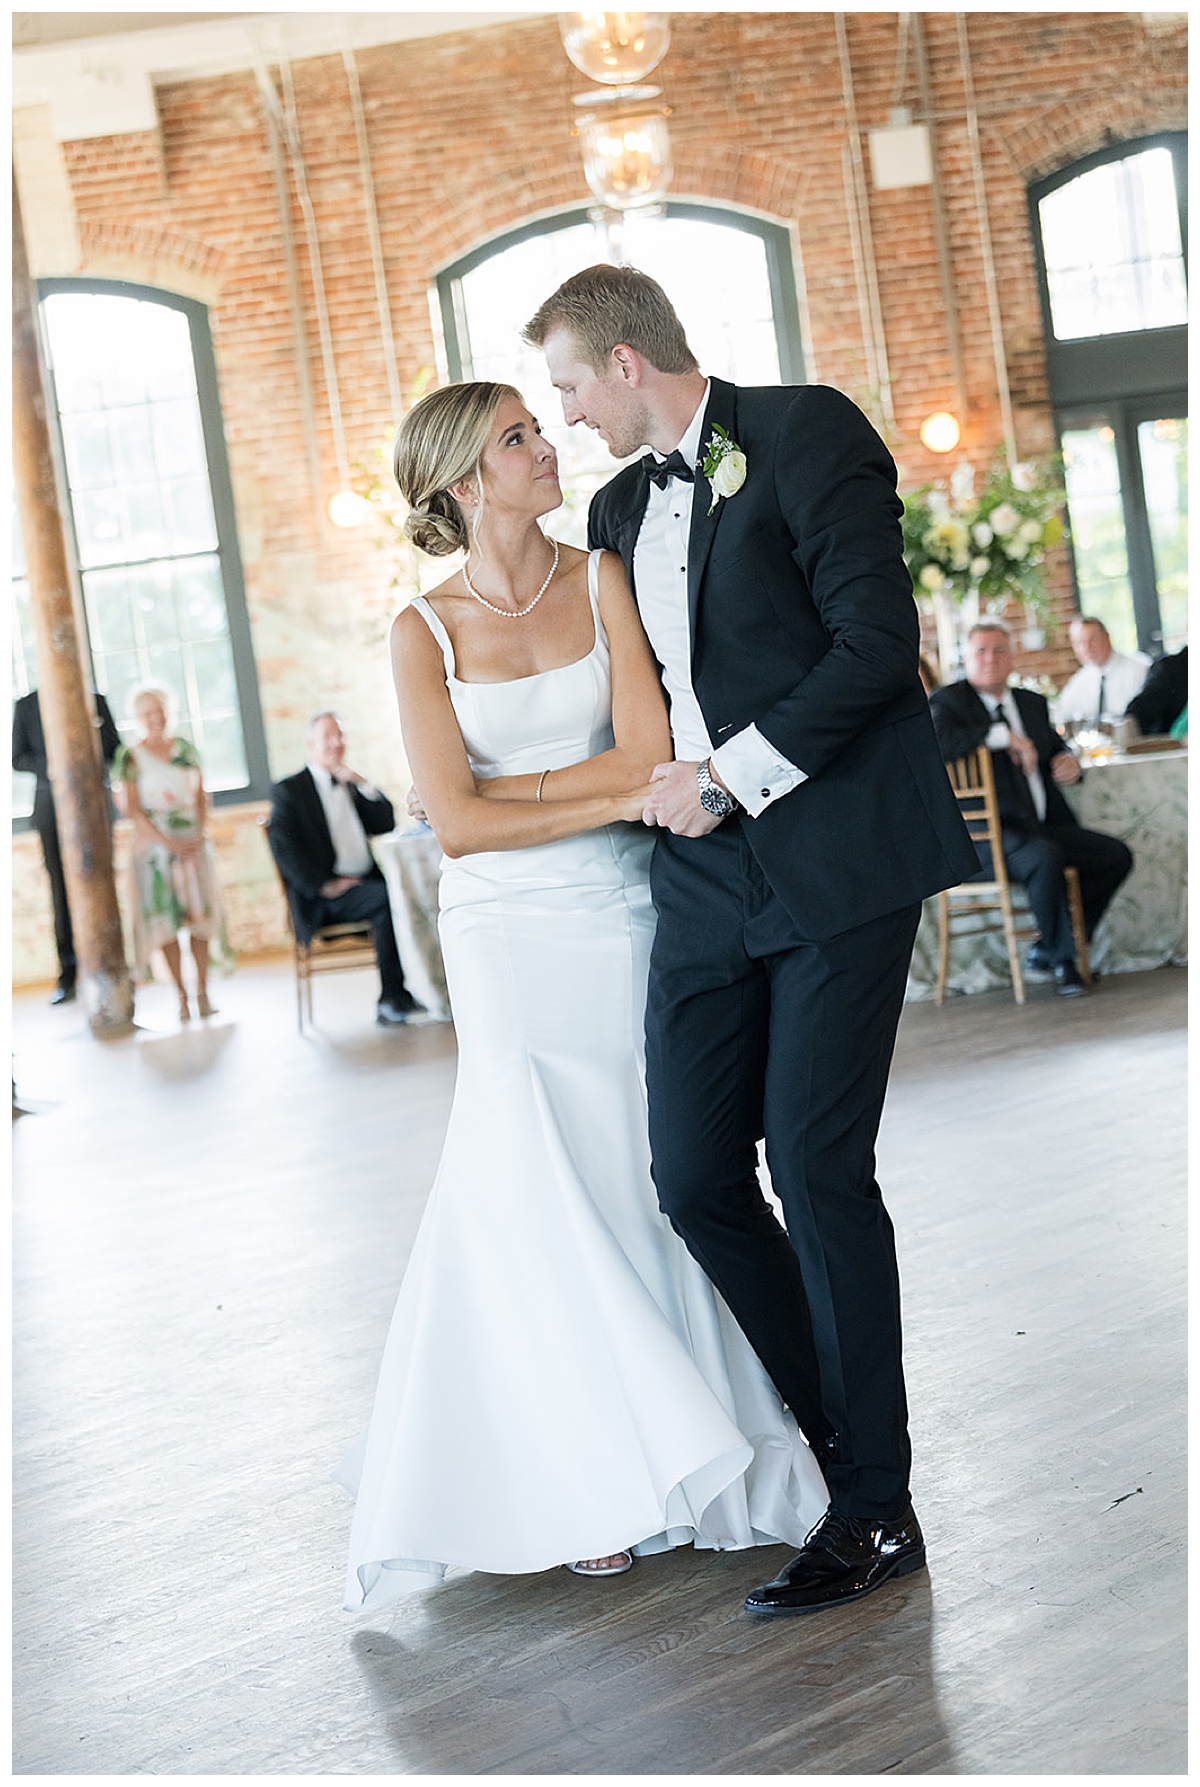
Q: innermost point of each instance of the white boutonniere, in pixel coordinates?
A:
(724, 465)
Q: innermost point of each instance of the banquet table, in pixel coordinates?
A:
(411, 863)
(1139, 797)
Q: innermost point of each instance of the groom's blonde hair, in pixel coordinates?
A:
(604, 307)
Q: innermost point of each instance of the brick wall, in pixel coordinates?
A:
(469, 136)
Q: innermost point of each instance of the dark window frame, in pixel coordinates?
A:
(228, 553)
(1119, 380)
(775, 237)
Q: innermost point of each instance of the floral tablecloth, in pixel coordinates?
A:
(1142, 799)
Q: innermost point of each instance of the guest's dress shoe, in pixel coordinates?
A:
(1038, 960)
(1068, 982)
(63, 993)
(842, 1560)
(396, 1011)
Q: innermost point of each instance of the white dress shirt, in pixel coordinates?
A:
(748, 764)
(351, 852)
(1083, 698)
(1000, 736)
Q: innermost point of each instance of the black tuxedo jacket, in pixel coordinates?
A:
(963, 720)
(803, 623)
(1163, 695)
(300, 843)
(29, 747)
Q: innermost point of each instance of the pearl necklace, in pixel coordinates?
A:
(514, 613)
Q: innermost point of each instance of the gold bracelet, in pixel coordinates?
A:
(541, 779)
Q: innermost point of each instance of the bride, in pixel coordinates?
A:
(561, 1383)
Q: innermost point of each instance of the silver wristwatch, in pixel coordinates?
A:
(713, 798)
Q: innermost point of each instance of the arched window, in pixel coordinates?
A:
(1111, 239)
(150, 519)
(729, 276)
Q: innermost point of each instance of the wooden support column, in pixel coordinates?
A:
(64, 685)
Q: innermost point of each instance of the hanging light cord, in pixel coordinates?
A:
(985, 231)
(381, 292)
(285, 119)
(862, 204)
(279, 175)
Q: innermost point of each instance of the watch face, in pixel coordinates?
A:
(716, 801)
(713, 797)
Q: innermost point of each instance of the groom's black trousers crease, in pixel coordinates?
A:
(753, 1031)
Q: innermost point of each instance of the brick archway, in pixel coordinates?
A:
(1055, 139)
(146, 256)
(771, 189)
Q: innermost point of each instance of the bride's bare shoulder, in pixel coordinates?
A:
(447, 601)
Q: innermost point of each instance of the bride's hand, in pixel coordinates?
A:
(631, 804)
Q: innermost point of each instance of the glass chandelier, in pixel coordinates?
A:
(626, 146)
(622, 128)
(617, 48)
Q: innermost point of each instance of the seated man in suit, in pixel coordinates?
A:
(1031, 766)
(29, 755)
(320, 821)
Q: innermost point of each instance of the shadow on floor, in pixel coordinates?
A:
(656, 1673)
(188, 1053)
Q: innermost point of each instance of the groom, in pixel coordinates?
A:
(806, 816)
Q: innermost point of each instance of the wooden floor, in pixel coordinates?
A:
(209, 1231)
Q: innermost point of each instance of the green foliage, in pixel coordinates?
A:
(994, 543)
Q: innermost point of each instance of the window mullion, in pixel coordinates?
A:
(1138, 547)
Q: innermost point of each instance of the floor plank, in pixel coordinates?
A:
(209, 1229)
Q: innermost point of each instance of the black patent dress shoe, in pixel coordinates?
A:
(1068, 981)
(842, 1560)
(1038, 961)
(63, 993)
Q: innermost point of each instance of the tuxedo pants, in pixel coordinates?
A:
(45, 821)
(369, 900)
(754, 1032)
(1037, 860)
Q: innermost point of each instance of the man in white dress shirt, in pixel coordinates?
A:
(1107, 680)
(321, 819)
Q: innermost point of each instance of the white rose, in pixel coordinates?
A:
(1024, 476)
(1004, 518)
(980, 567)
(1029, 531)
(1018, 549)
(930, 578)
(947, 540)
(982, 534)
(939, 505)
(729, 474)
(962, 484)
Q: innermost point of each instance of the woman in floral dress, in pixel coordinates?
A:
(172, 867)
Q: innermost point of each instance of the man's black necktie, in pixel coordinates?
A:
(673, 466)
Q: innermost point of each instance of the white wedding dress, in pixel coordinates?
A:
(561, 1380)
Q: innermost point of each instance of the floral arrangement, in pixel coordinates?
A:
(993, 544)
(724, 465)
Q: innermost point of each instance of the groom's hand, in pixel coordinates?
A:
(675, 801)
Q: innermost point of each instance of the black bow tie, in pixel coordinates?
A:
(673, 466)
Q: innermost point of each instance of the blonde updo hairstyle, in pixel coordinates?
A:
(440, 441)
